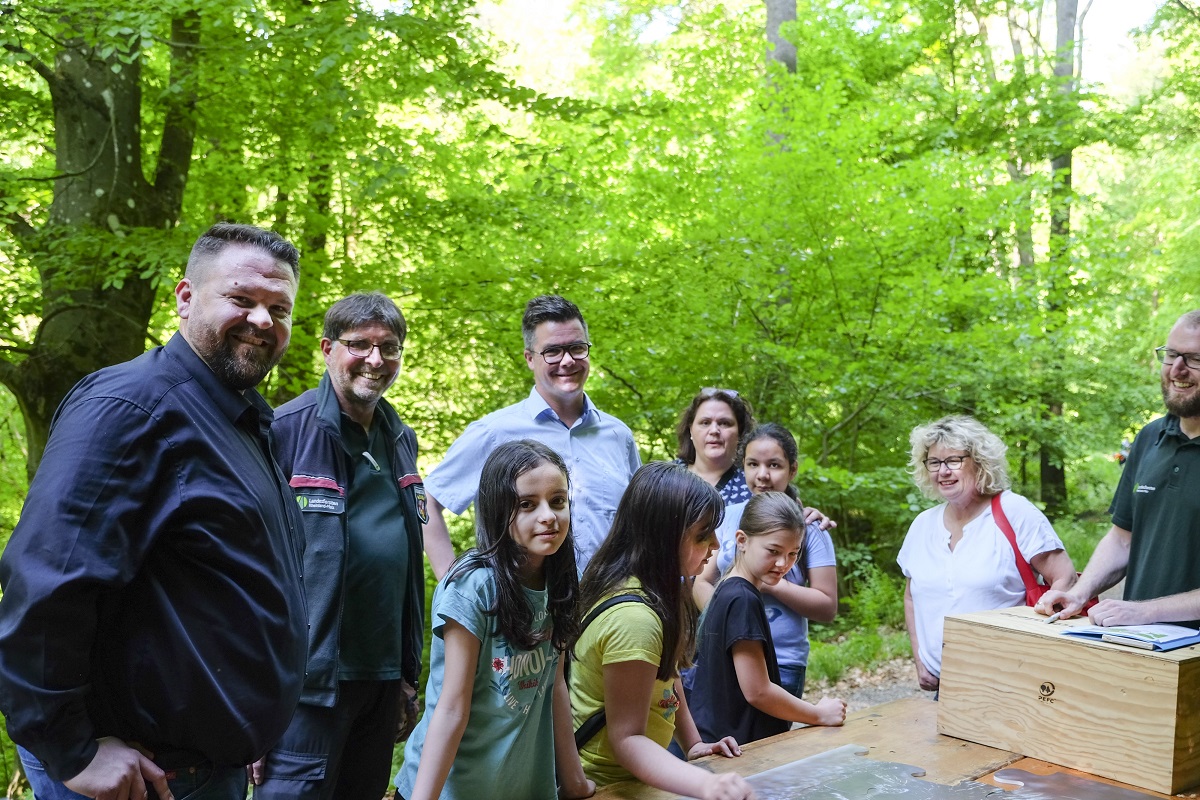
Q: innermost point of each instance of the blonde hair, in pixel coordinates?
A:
(960, 432)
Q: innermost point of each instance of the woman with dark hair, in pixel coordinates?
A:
(708, 433)
(639, 630)
(956, 556)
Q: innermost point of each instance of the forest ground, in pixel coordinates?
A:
(863, 688)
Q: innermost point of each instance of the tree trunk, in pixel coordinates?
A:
(95, 304)
(1053, 472)
(783, 51)
(295, 372)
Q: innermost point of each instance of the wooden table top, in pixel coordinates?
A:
(903, 731)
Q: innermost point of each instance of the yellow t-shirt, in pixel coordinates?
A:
(625, 632)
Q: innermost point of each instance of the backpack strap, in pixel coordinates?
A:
(592, 725)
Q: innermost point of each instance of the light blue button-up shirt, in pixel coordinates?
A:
(598, 450)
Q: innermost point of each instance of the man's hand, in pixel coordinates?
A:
(256, 773)
(926, 679)
(1121, 612)
(119, 772)
(1065, 604)
(410, 712)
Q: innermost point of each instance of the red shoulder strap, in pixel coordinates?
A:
(1022, 565)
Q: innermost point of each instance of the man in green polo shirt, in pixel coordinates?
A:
(352, 464)
(1154, 542)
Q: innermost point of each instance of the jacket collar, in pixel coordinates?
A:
(329, 411)
(232, 403)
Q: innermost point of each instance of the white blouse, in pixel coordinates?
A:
(979, 574)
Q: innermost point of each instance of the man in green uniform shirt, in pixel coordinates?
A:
(1154, 542)
(352, 464)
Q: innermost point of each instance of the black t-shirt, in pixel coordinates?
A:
(735, 613)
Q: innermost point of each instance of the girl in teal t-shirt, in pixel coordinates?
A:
(502, 617)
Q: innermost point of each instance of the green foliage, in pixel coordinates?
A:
(858, 247)
(828, 661)
(879, 602)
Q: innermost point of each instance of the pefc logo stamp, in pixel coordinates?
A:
(1046, 692)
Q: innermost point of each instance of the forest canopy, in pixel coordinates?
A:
(861, 215)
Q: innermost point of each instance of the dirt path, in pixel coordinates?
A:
(861, 689)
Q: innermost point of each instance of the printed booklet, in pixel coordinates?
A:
(1147, 637)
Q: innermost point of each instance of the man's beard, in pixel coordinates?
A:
(1180, 407)
(239, 370)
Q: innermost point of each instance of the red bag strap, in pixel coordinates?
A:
(1022, 565)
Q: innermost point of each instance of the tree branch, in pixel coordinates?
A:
(99, 152)
(9, 375)
(36, 64)
(624, 383)
(1186, 9)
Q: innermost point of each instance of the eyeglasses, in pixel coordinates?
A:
(1168, 356)
(709, 391)
(953, 462)
(554, 354)
(361, 348)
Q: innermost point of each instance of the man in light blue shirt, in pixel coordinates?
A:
(598, 448)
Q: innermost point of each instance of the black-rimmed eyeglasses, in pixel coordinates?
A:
(554, 353)
(954, 463)
(361, 348)
(1167, 356)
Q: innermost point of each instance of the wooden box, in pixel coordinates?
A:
(1011, 681)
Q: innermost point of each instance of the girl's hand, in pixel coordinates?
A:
(587, 790)
(728, 786)
(727, 747)
(831, 711)
(815, 515)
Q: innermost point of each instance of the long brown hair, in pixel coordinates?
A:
(495, 510)
(660, 504)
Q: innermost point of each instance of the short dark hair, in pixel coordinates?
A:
(364, 308)
(214, 240)
(683, 432)
(548, 308)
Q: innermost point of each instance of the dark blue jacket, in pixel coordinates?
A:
(152, 588)
(308, 435)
